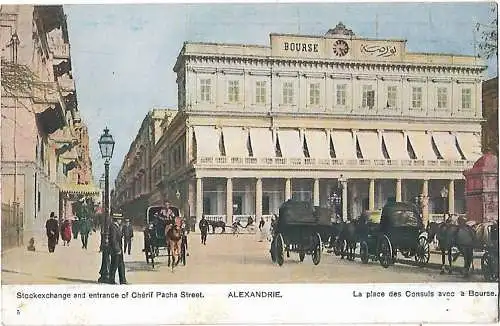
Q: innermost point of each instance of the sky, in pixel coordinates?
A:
(123, 54)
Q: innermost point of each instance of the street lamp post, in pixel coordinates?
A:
(444, 196)
(106, 146)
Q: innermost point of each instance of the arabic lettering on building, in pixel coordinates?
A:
(383, 51)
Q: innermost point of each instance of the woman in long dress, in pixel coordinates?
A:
(66, 232)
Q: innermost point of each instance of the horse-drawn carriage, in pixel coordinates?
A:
(489, 260)
(297, 229)
(155, 237)
(400, 228)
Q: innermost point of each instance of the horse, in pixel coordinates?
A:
(449, 235)
(173, 235)
(347, 235)
(217, 224)
(484, 232)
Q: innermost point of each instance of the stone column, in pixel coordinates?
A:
(398, 190)
(451, 197)
(316, 192)
(371, 195)
(258, 199)
(229, 201)
(344, 200)
(191, 198)
(425, 203)
(199, 199)
(288, 189)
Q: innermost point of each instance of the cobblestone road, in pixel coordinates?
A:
(225, 259)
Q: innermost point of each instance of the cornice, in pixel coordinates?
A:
(336, 116)
(277, 62)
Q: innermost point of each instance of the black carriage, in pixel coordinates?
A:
(489, 260)
(154, 235)
(297, 229)
(400, 229)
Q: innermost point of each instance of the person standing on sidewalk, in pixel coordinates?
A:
(203, 226)
(116, 253)
(52, 228)
(128, 234)
(66, 232)
(85, 227)
(261, 229)
(75, 227)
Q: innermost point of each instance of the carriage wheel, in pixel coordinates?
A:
(272, 250)
(316, 254)
(385, 252)
(423, 253)
(280, 250)
(489, 267)
(363, 252)
(183, 253)
(302, 255)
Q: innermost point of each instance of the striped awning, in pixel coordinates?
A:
(84, 189)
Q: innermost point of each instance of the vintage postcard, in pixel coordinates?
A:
(234, 163)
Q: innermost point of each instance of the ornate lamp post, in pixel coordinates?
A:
(340, 190)
(444, 196)
(106, 146)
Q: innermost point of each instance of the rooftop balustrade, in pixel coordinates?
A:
(313, 163)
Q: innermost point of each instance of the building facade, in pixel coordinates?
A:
(134, 184)
(43, 156)
(311, 117)
(490, 114)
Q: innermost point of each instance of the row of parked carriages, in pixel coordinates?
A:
(303, 228)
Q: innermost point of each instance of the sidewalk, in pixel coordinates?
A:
(68, 263)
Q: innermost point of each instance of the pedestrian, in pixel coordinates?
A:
(128, 234)
(85, 227)
(52, 228)
(75, 227)
(66, 232)
(261, 229)
(203, 226)
(116, 253)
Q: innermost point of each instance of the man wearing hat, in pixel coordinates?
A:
(128, 234)
(116, 252)
(52, 228)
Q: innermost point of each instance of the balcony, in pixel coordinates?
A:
(328, 164)
(66, 84)
(46, 93)
(60, 51)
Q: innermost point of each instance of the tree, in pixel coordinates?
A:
(19, 81)
(488, 46)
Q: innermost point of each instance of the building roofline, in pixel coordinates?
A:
(351, 37)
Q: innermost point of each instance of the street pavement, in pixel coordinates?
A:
(225, 259)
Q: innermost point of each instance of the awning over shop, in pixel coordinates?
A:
(207, 141)
(343, 144)
(290, 143)
(83, 189)
(446, 144)
(470, 145)
(370, 145)
(422, 145)
(262, 142)
(317, 144)
(235, 140)
(396, 145)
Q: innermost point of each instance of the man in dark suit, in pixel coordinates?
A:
(116, 252)
(128, 234)
(203, 226)
(52, 228)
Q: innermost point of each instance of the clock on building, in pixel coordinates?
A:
(340, 48)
